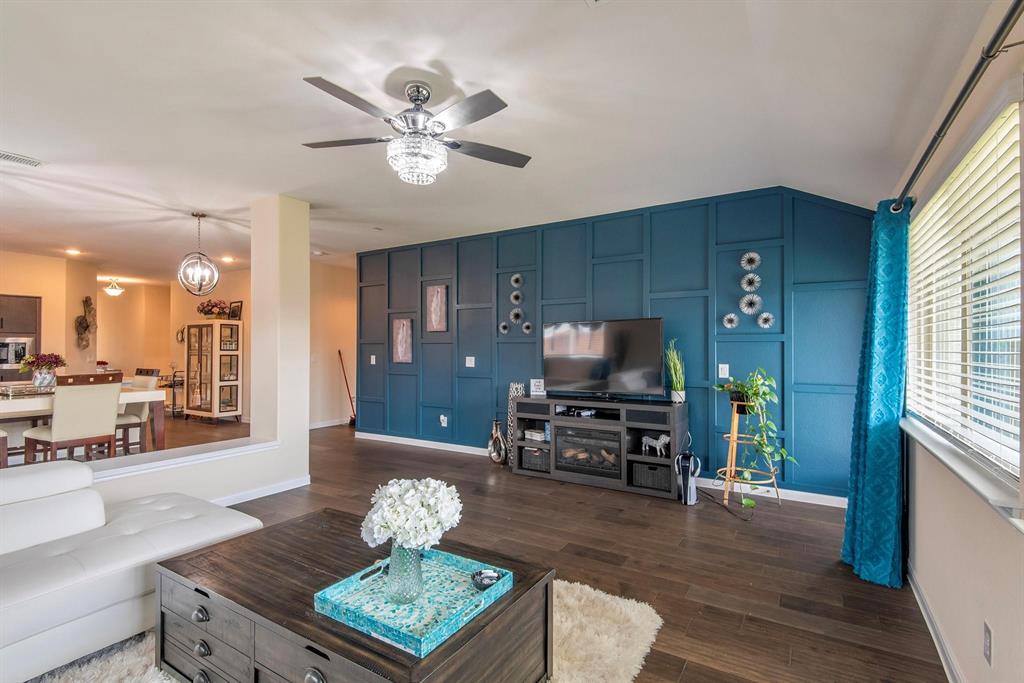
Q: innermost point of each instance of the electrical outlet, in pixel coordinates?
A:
(444, 419)
(987, 645)
(470, 361)
(373, 359)
(723, 371)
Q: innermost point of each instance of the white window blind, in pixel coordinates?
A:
(964, 323)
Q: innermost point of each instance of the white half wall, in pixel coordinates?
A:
(967, 567)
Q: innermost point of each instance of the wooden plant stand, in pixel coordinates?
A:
(731, 474)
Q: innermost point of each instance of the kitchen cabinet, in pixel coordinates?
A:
(19, 315)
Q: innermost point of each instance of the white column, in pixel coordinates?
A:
(280, 322)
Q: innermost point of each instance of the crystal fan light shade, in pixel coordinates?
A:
(418, 159)
(198, 274)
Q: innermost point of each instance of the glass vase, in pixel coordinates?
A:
(405, 575)
(45, 377)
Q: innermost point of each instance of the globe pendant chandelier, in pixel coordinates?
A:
(417, 158)
(198, 274)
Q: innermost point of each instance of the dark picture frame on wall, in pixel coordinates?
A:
(437, 308)
(235, 310)
(401, 340)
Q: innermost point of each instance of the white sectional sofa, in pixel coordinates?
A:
(77, 575)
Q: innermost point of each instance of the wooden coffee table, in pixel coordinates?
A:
(242, 610)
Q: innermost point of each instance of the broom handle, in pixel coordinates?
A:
(347, 389)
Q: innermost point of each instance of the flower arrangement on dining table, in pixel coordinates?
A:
(413, 514)
(43, 361)
(218, 308)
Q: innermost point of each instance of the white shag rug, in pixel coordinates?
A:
(599, 638)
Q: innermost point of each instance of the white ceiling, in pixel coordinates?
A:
(145, 111)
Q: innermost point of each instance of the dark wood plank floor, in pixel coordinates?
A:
(180, 432)
(765, 600)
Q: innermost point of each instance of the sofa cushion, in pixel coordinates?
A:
(42, 480)
(42, 520)
(62, 580)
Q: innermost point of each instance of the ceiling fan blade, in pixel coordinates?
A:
(345, 143)
(469, 110)
(348, 97)
(498, 155)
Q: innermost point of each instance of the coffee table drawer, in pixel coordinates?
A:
(205, 647)
(190, 668)
(307, 663)
(207, 614)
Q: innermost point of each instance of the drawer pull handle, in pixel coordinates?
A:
(201, 677)
(313, 676)
(199, 615)
(201, 649)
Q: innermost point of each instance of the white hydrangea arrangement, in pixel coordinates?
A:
(412, 513)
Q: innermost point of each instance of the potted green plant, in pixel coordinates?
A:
(676, 372)
(756, 395)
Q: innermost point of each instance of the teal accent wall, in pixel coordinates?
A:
(679, 262)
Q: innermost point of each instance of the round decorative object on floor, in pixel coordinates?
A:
(730, 321)
(750, 282)
(750, 304)
(750, 260)
(765, 320)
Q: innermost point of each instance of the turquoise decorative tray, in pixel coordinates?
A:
(449, 601)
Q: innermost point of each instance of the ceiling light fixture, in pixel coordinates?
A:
(227, 259)
(319, 252)
(418, 159)
(198, 274)
(72, 252)
(114, 289)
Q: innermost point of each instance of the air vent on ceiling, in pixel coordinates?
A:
(19, 159)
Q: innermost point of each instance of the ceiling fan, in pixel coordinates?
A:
(420, 151)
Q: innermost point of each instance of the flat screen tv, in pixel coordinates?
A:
(605, 357)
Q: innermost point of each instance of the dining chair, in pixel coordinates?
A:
(84, 414)
(136, 415)
(3, 449)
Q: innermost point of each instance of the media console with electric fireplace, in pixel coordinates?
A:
(624, 445)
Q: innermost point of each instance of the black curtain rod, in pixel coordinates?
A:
(992, 50)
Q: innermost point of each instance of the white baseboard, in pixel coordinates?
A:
(422, 443)
(262, 491)
(945, 655)
(785, 494)
(327, 423)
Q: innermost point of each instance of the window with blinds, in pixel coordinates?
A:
(964, 322)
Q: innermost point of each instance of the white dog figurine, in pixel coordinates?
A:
(657, 444)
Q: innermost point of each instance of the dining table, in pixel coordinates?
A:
(18, 407)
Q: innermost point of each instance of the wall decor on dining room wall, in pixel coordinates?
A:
(235, 310)
(401, 340)
(730, 321)
(437, 308)
(85, 324)
(750, 282)
(765, 320)
(750, 260)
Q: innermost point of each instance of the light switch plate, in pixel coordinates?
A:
(444, 419)
(470, 361)
(373, 359)
(723, 371)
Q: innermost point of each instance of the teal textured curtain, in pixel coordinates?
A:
(873, 538)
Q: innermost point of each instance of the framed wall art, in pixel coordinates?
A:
(437, 308)
(401, 340)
